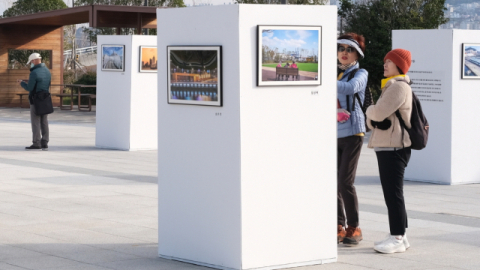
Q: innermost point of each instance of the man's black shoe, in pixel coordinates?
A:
(33, 147)
(45, 147)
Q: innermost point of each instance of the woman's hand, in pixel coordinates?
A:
(342, 115)
(384, 125)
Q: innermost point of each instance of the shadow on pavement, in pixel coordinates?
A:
(16, 148)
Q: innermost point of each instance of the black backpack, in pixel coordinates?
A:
(419, 131)
(368, 98)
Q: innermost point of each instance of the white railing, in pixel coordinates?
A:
(84, 50)
(87, 56)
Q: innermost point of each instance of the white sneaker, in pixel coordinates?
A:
(391, 245)
(405, 241)
(376, 243)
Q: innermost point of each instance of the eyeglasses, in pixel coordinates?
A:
(349, 49)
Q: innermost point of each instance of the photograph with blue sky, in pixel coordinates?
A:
(471, 61)
(290, 40)
(289, 55)
(473, 48)
(112, 50)
(112, 57)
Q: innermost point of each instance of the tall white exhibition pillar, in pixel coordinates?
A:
(126, 100)
(250, 184)
(449, 103)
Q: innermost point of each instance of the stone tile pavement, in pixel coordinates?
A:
(78, 207)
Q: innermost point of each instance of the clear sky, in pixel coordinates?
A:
(109, 50)
(290, 39)
(207, 2)
(475, 47)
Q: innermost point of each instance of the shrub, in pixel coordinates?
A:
(89, 78)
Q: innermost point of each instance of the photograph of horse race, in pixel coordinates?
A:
(289, 55)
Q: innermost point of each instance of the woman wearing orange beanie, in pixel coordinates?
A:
(392, 146)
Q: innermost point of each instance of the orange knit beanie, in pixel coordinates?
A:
(400, 57)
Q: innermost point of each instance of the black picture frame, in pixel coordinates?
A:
(150, 66)
(109, 58)
(194, 75)
(470, 61)
(300, 45)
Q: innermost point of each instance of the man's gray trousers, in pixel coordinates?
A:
(39, 127)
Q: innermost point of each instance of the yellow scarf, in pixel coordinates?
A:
(384, 81)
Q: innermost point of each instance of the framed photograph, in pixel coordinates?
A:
(288, 55)
(148, 59)
(195, 75)
(113, 58)
(471, 61)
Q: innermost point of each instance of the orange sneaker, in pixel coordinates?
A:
(353, 237)
(340, 233)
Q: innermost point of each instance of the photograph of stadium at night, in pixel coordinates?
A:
(194, 75)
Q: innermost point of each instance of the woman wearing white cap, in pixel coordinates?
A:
(350, 133)
(38, 81)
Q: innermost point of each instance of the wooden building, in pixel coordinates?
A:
(44, 31)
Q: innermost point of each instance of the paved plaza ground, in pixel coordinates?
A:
(78, 207)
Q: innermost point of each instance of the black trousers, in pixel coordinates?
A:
(391, 165)
(348, 153)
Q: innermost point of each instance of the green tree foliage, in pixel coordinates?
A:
(22, 7)
(89, 78)
(17, 59)
(375, 20)
(93, 32)
(150, 3)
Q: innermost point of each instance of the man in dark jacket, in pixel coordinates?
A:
(39, 80)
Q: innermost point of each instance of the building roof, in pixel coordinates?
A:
(94, 15)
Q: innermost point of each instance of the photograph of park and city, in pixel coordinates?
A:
(288, 55)
(148, 59)
(194, 75)
(471, 61)
(113, 57)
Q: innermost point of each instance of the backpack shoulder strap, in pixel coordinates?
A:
(357, 97)
(397, 112)
(352, 74)
(402, 124)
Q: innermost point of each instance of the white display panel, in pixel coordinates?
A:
(126, 117)
(251, 184)
(446, 99)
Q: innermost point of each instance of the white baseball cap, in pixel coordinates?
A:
(33, 56)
